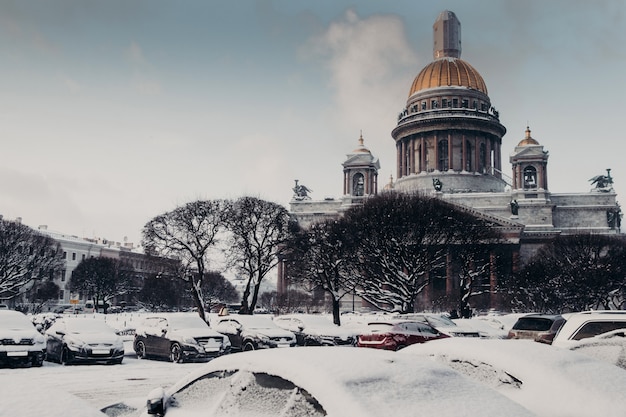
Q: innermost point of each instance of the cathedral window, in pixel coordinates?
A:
(468, 156)
(530, 177)
(443, 155)
(455, 102)
(423, 105)
(358, 185)
(465, 103)
(444, 102)
(433, 104)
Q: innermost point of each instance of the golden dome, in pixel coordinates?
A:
(446, 72)
(528, 140)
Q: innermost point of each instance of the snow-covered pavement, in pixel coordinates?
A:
(97, 385)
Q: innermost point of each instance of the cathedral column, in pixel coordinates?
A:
(399, 160)
(450, 153)
(463, 153)
(436, 161)
(423, 154)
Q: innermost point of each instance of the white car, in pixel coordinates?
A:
(322, 381)
(579, 326)
(549, 381)
(20, 342)
(315, 330)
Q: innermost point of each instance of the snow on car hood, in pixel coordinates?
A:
(195, 333)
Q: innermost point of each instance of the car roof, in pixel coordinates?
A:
(566, 382)
(368, 382)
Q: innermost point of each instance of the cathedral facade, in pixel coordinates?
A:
(448, 140)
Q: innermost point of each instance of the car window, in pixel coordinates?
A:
(535, 324)
(595, 328)
(426, 330)
(243, 394)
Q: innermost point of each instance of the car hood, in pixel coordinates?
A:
(269, 332)
(18, 334)
(96, 338)
(195, 333)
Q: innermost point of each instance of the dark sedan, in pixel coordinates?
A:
(82, 340)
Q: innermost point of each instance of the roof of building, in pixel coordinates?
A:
(448, 72)
(528, 140)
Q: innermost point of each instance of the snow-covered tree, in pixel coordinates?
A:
(101, 279)
(573, 273)
(259, 231)
(26, 256)
(187, 233)
(322, 258)
(399, 239)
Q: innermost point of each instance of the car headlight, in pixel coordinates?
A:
(263, 338)
(189, 340)
(73, 343)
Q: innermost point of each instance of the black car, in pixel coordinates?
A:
(178, 337)
(254, 332)
(81, 340)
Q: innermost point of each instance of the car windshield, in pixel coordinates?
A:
(187, 322)
(438, 321)
(14, 321)
(87, 326)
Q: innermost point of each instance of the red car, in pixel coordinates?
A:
(396, 334)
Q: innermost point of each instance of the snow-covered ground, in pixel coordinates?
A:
(80, 390)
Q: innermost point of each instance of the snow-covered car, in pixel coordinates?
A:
(538, 327)
(546, 380)
(20, 342)
(254, 332)
(609, 347)
(397, 334)
(322, 381)
(579, 326)
(83, 340)
(442, 323)
(315, 330)
(179, 337)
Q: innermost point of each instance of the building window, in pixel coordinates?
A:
(64, 255)
(455, 102)
(465, 103)
(83, 257)
(444, 102)
(443, 155)
(63, 275)
(468, 156)
(73, 256)
(358, 185)
(433, 104)
(423, 105)
(530, 177)
(475, 105)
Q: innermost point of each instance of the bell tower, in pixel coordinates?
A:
(360, 172)
(530, 168)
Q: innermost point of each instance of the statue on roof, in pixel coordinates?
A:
(603, 182)
(301, 192)
(437, 184)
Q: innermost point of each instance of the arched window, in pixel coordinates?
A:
(443, 155)
(468, 156)
(358, 185)
(530, 177)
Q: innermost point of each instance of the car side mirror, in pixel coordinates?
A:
(155, 405)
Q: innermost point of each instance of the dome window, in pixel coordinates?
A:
(455, 102)
(358, 185)
(444, 102)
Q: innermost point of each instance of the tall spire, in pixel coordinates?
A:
(447, 36)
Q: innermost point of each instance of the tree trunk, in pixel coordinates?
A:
(336, 313)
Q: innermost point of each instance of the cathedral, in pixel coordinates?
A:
(448, 140)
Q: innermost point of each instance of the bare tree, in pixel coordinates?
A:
(218, 290)
(259, 230)
(187, 233)
(401, 238)
(26, 256)
(101, 279)
(321, 258)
